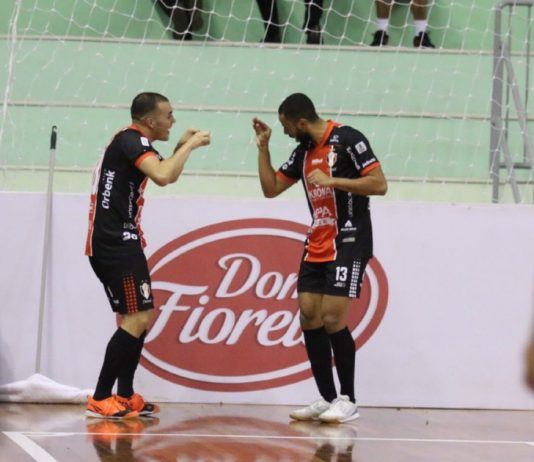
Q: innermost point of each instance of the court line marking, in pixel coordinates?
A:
(284, 437)
(30, 447)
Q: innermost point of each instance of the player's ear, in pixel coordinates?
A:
(149, 121)
(302, 124)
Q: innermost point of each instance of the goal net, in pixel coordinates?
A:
(78, 64)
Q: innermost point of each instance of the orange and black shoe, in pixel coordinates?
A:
(108, 408)
(137, 403)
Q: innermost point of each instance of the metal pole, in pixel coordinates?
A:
(46, 245)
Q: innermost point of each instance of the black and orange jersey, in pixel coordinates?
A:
(339, 217)
(117, 196)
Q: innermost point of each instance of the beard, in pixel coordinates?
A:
(302, 137)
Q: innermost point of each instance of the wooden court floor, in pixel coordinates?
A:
(228, 433)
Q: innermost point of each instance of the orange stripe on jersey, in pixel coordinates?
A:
(135, 127)
(146, 155)
(92, 207)
(89, 239)
(322, 235)
(285, 178)
(367, 169)
(137, 218)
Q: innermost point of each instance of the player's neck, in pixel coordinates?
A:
(145, 131)
(317, 129)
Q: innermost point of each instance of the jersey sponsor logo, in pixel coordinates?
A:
(348, 226)
(321, 192)
(109, 176)
(144, 141)
(323, 216)
(361, 147)
(316, 161)
(322, 211)
(324, 222)
(241, 302)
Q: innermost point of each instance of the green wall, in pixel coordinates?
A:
(462, 24)
(425, 112)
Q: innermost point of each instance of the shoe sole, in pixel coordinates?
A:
(96, 415)
(348, 419)
(303, 419)
(148, 413)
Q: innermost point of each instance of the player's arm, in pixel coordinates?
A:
(372, 183)
(530, 364)
(271, 184)
(164, 172)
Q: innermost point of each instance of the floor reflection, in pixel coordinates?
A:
(334, 442)
(221, 438)
(113, 439)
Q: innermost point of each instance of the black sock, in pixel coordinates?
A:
(320, 356)
(118, 352)
(126, 377)
(345, 358)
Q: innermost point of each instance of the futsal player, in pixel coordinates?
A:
(339, 171)
(115, 243)
(530, 363)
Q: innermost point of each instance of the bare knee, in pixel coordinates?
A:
(137, 323)
(333, 322)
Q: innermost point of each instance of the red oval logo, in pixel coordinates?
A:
(226, 302)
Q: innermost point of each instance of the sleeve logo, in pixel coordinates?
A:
(361, 147)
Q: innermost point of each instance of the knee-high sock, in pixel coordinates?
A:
(345, 359)
(118, 353)
(126, 377)
(320, 356)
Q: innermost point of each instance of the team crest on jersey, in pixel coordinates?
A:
(144, 288)
(331, 158)
(144, 141)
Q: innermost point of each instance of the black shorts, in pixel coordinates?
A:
(126, 281)
(342, 277)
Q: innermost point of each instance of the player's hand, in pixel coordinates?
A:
(263, 132)
(318, 178)
(186, 136)
(530, 365)
(199, 138)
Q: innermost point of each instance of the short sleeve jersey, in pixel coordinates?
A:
(117, 196)
(339, 217)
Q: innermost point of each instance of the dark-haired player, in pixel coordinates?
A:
(115, 243)
(339, 171)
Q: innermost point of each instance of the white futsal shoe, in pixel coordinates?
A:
(311, 412)
(341, 410)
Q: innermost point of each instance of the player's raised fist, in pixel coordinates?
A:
(200, 138)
